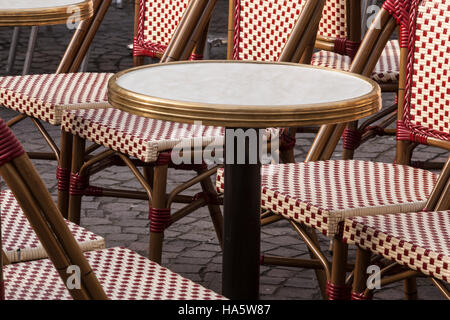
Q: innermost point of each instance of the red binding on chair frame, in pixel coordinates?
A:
(10, 148)
(399, 9)
(148, 18)
(342, 45)
(406, 129)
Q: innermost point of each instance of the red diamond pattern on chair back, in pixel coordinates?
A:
(262, 27)
(157, 23)
(427, 95)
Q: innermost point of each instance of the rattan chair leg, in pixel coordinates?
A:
(404, 152)
(360, 274)
(214, 208)
(441, 287)
(158, 203)
(309, 236)
(16, 119)
(63, 174)
(148, 175)
(287, 155)
(77, 162)
(336, 287)
(410, 288)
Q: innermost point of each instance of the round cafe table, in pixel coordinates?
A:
(246, 96)
(43, 12)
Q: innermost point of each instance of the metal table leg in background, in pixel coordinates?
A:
(12, 50)
(30, 50)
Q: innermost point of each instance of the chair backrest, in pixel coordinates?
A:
(155, 24)
(393, 13)
(425, 112)
(43, 215)
(260, 28)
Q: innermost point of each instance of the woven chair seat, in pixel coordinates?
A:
(137, 136)
(322, 194)
(44, 96)
(20, 242)
(387, 69)
(420, 241)
(123, 274)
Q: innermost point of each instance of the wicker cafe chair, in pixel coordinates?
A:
(43, 97)
(258, 30)
(151, 142)
(330, 191)
(418, 240)
(114, 273)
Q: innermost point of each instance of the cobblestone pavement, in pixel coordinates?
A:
(190, 246)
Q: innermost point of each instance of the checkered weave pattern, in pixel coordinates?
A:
(262, 27)
(420, 241)
(136, 136)
(157, 23)
(19, 241)
(334, 20)
(386, 70)
(427, 95)
(123, 274)
(44, 96)
(322, 194)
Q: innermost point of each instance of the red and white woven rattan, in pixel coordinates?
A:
(418, 240)
(426, 111)
(45, 96)
(387, 69)
(261, 29)
(322, 194)
(19, 240)
(123, 274)
(136, 136)
(156, 24)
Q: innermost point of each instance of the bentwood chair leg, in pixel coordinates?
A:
(76, 189)
(360, 274)
(214, 208)
(148, 175)
(336, 288)
(410, 288)
(159, 213)
(287, 155)
(404, 152)
(63, 173)
(320, 273)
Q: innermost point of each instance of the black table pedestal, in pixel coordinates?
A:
(242, 208)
